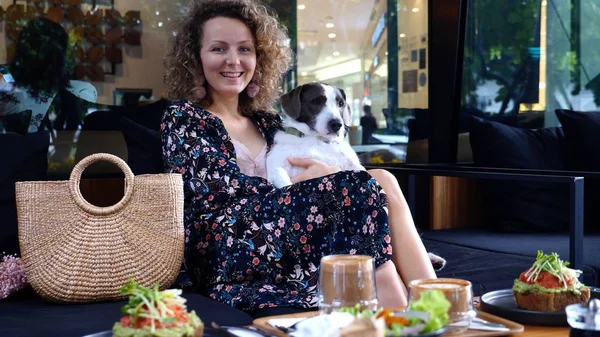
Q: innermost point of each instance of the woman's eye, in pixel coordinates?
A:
(218, 49)
(245, 49)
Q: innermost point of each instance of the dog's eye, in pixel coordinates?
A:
(341, 103)
(318, 100)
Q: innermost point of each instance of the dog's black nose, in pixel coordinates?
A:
(334, 125)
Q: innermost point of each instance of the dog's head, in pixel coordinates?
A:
(322, 107)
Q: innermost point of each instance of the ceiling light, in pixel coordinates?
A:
(402, 35)
(331, 35)
(336, 53)
(301, 6)
(328, 58)
(329, 25)
(304, 73)
(415, 9)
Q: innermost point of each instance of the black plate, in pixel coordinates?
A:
(210, 332)
(502, 303)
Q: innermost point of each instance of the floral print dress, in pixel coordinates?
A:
(14, 100)
(249, 244)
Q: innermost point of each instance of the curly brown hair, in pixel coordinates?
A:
(273, 55)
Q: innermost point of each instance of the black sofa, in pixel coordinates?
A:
(490, 256)
(538, 190)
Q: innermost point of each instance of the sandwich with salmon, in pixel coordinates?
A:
(549, 285)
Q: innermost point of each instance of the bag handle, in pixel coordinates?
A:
(75, 179)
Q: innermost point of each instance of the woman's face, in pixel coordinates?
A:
(228, 56)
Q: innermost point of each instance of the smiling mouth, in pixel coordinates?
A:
(231, 75)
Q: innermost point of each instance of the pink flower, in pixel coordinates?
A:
(12, 276)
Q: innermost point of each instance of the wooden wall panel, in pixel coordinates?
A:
(455, 203)
(103, 192)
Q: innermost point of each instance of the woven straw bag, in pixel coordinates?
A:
(74, 251)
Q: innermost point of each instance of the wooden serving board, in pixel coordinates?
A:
(515, 328)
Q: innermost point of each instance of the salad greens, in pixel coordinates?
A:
(435, 303)
(151, 303)
(427, 314)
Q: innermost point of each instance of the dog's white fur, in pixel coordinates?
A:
(318, 144)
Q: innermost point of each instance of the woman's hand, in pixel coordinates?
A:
(314, 169)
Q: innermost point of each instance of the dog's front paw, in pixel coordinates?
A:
(280, 178)
(437, 261)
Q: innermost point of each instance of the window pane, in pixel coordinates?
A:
(525, 59)
(347, 44)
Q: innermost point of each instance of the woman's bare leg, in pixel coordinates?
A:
(390, 289)
(409, 254)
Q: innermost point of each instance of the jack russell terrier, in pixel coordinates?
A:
(317, 121)
(316, 125)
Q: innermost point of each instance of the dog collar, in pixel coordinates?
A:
(294, 132)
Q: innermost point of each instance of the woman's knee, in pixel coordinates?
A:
(388, 182)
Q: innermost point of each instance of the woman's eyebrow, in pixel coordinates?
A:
(225, 42)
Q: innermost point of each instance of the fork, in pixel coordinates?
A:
(490, 324)
(290, 328)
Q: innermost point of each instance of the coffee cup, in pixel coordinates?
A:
(347, 281)
(458, 292)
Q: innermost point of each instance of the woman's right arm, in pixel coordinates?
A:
(194, 146)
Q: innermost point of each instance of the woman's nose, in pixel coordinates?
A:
(233, 58)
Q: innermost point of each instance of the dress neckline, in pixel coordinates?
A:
(246, 150)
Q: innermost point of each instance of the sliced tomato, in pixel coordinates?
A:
(546, 280)
(126, 321)
(179, 313)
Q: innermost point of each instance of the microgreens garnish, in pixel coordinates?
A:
(552, 264)
(150, 303)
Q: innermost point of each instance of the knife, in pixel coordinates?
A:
(230, 331)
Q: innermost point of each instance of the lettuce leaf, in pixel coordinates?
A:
(435, 303)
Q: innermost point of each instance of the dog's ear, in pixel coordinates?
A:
(290, 102)
(343, 93)
(347, 113)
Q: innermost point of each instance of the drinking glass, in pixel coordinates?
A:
(458, 292)
(345, 281)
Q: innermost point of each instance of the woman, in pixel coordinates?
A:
(39, 71)
(249, 244)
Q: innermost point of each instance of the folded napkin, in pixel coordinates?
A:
(322, 325)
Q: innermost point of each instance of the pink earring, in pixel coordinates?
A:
(252, 89)
(199, 90)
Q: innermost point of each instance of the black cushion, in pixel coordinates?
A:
(149, 115)
(582, 134)
(487, 271)
(24, 158)
(518, 205)
(582, 131)
(16, 122)
(144, 150)
(27, 315)
(517, 245)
